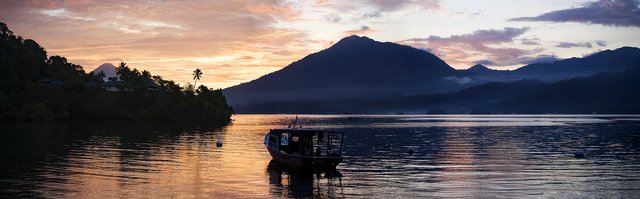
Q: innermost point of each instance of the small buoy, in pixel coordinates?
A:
(219, 143)
(410, 151)
(579, 153)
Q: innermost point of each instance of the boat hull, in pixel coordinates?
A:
(304, 162)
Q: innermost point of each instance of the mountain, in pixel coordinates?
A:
(359, 68)
(479, 74)
(354, 67)
(464, 101)
(108, 69)
(620, 59)
(479, 69)
(613, 92)
(610, 92)
(606, 61)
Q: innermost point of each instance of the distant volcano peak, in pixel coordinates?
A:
(355, 37)
(354, 40)
(108, 69)
(478, 68)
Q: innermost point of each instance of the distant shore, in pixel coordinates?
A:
(36, 87)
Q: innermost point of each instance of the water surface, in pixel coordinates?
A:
(447, 156)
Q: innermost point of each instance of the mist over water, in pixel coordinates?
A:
(446, 156)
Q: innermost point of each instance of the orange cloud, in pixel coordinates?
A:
(168, 38)
(282, 11)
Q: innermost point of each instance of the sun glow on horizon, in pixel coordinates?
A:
(235, 42)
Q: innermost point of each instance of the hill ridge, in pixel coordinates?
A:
(358, 67)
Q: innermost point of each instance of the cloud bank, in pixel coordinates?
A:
(357, 10)
(169, 38)
(481, 46)
(572, 45)
(604, 12)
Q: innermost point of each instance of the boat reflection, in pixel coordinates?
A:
(286, 181)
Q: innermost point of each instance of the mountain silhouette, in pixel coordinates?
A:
(480, 74)
(359, 68)
(606, 61)
(108, 69)
(479, 68)
(353, 67)
(620, 59)
(612, 92)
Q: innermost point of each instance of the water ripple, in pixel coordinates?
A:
(408, 156)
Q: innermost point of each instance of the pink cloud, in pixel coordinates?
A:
(163, 37)
(479, 46)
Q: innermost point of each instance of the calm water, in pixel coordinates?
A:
(454, 156)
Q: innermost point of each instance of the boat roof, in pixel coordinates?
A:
(305, 130)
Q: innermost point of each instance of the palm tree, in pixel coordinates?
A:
(122, 70)
(146, 73)
(196, 76)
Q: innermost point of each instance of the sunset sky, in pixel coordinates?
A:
(237, 41)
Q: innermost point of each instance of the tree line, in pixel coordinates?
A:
(36, 87)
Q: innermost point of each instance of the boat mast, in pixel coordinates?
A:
(295, 123)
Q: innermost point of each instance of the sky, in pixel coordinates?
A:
(237, 41)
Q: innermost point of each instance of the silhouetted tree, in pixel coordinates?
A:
(189, 89)
(122, 70)
(101, 74)
(196, 76)
(146, 74)
(36, 87)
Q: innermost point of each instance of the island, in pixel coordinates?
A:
(34, 86)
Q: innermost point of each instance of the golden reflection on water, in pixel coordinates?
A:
(449, 160)
(191, 166)
(469, 161)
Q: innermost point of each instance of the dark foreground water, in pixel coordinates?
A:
(454, 156)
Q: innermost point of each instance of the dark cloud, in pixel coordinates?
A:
(480, 36)
(572, 45)
(378, 5)
(533, 42)
(363, 30)
(385, 5)
(601, 43)
(374, 14)
(333, 18)
(357, 10)
(539, 59)
(481, 45)
(605, 12)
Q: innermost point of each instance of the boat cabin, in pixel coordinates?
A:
(305, 142)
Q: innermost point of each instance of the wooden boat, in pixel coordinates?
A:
(305, 148)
